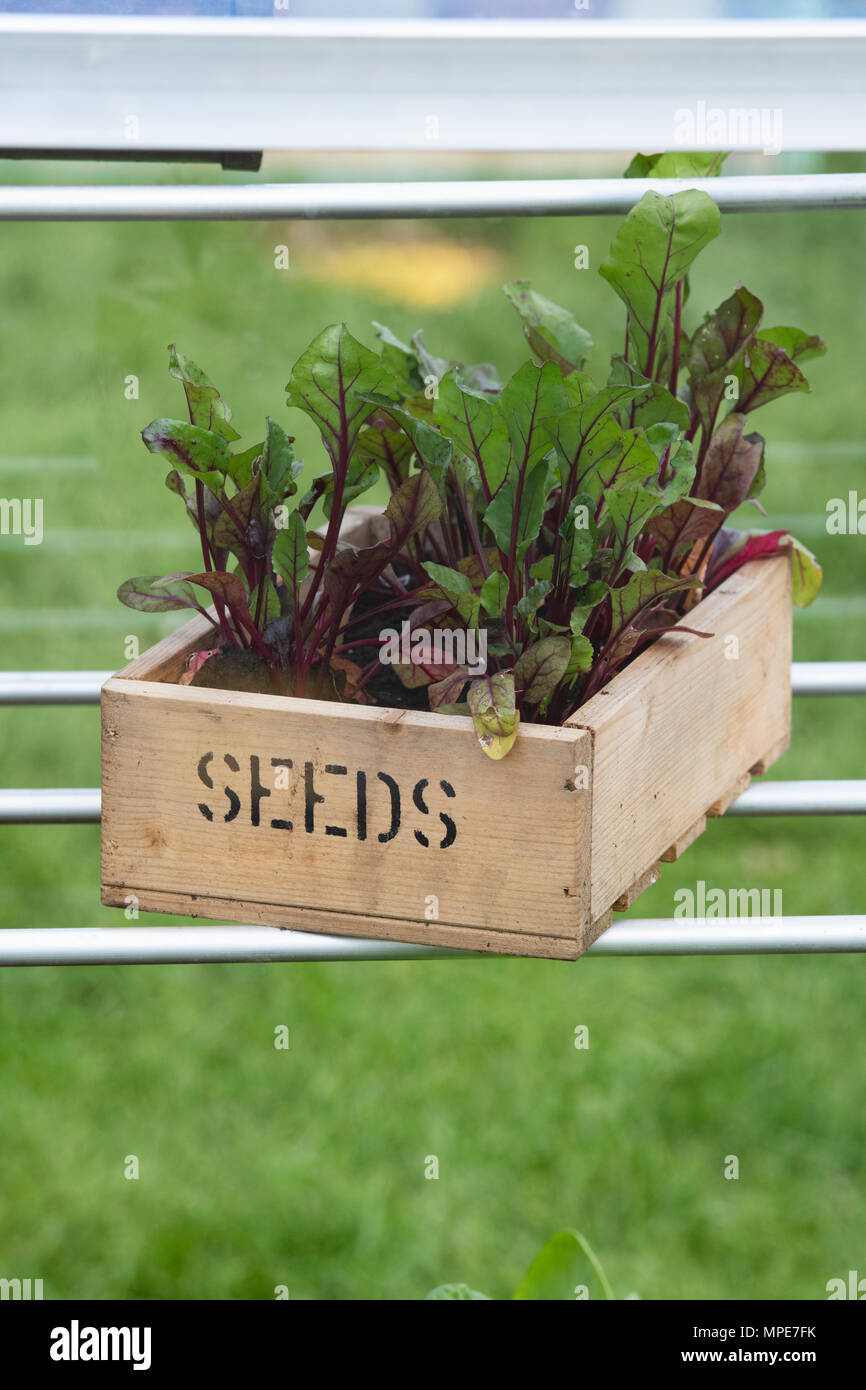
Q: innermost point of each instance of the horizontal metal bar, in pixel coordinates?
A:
(470, 198)
(51, 806)
(825, 798)
(51, 687)
(828, 678)
(732, 936)
(83, 687)
(101, 83)
(82, 805)
(222, 944)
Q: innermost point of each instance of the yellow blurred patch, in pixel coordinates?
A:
(423, 274)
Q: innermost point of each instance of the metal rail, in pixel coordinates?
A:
(83, 687)
(469, 198)
(82, 805)
(726, 936)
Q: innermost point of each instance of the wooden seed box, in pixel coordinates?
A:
(362, 821)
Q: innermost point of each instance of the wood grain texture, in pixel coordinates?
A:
(366, 787)
(685, 721)
(721, 803)
(640, 885)
(771, 756)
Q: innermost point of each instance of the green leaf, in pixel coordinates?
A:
(328, 382)
(494, 592)
(474, 424)
(527, 403)
(542, 569)
(452, 583)
(415, 505)
(650, 403)
(580, 658)
(629, 510)
(458, 1291)
(807, 574)
(243, 465)
(651, 252)
(457, 588)
(194, 450)
(361, 474)
(541, 667)
(230, 588)
(401, 360)
(530, 512)
(232, 528)
(172, 593)
(270, 605)
(587, 434)
(730, 464)
(559, 1267)
(553, 334)
(767, 374)
(632, 462)
(676, 164)
(492, 704)
(717, 349)
(680, 525)
(290, 557)
(444, 695)
(629, 606)
(206, 406)
(532, 600)
(280, 468)
(799, 346)
(432, 448)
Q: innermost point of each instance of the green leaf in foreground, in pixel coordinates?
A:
(492, 704)
(807, 574)
(560, 1266)
(455, 1291)
(553, 334)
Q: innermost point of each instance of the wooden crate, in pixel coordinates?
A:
(361, 821)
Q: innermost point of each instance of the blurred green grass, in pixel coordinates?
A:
(306, 1168)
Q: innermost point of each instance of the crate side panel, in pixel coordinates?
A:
(676, 729)
(374, 812)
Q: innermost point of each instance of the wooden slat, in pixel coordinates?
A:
(681, 844)
(488, 940)
(633, 892)
(772, 756)
(721, 803)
